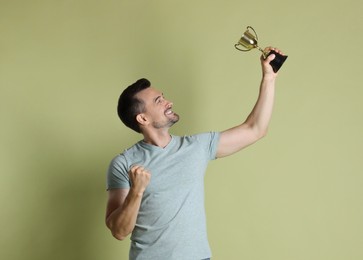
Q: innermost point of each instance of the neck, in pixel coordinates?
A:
(160, 139)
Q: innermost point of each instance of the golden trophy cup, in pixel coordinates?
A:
(249, 42)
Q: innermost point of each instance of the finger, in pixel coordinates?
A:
(268, 49)
(140, 170)
(135, 167)
(277, 50)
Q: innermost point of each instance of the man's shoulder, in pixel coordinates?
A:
(123, 155)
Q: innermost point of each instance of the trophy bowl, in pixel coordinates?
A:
(249, 41)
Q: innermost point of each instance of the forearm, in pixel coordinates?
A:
(255, 126)
(122, 220)
(260, 116)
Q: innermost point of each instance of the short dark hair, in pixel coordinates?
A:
(129, 106)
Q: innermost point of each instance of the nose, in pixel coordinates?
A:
(168, 103)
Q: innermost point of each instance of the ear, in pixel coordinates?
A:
(141, 119)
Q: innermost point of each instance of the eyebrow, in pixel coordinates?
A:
(158, 97)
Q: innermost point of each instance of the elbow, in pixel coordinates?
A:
(117, 233)
(118, 236)
(263, 133)
(257, 132)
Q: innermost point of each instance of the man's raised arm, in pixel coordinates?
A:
(256, 124)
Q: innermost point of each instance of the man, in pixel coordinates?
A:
(156, 187)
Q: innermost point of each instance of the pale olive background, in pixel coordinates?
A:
(295, 195)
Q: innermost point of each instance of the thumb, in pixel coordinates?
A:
(270, 57)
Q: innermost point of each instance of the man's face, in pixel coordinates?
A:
(158, 110)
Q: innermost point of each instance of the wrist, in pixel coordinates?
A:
(269, 77)
(136, 192)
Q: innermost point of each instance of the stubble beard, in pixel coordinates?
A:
(171, 121)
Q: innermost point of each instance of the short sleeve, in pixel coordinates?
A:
(117, 174)
(210, 142)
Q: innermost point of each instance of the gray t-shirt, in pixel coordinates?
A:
(171, 221)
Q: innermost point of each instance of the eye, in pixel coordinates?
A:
(160, 99)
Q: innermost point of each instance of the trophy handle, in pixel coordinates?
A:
(236, 46)
(250, 27)
(255, 35)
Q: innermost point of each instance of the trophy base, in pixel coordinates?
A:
(277, 62)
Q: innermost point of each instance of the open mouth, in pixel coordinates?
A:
(168, 112)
